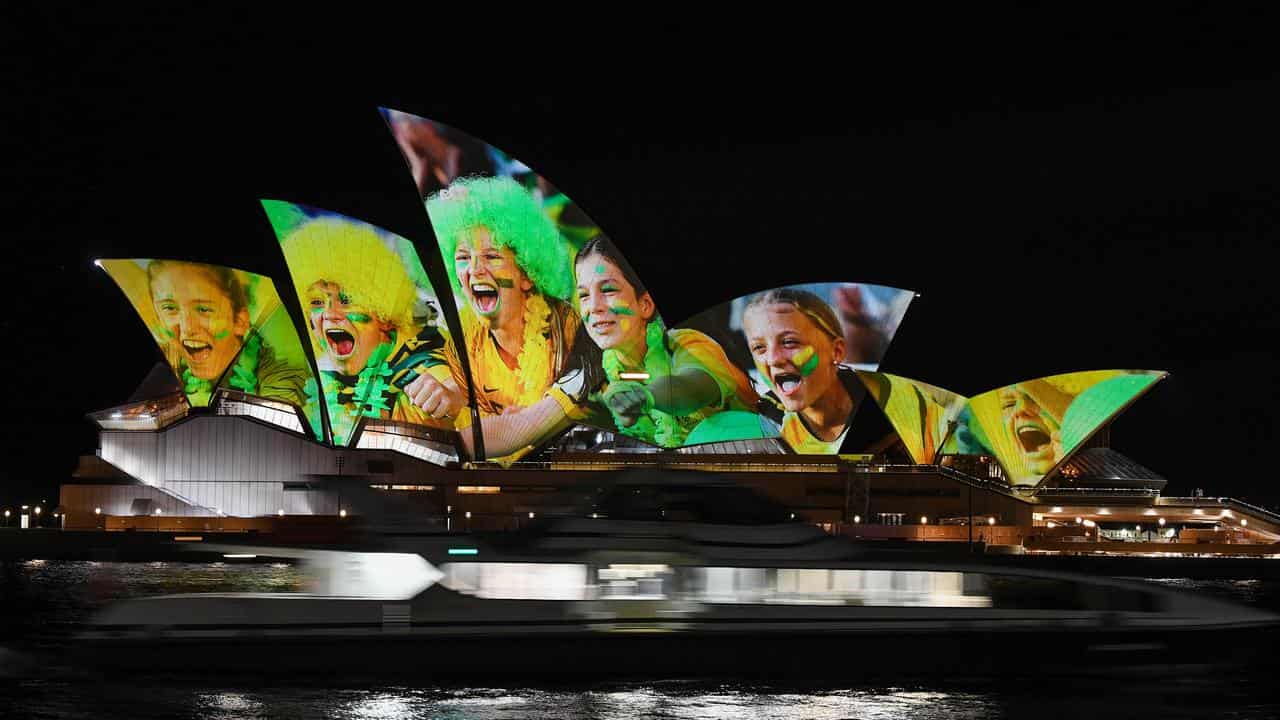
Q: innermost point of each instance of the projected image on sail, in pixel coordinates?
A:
(557, 327)
(1032, 426)
(926, 418)
(373, 320)
(216, 327)
(800, 345)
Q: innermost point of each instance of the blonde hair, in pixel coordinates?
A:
(812, 306)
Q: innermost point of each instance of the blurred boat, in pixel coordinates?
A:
(672, 577)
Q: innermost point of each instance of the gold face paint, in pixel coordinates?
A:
(764, 374)
(806, 360)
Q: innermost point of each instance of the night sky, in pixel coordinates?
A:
(1065, 198)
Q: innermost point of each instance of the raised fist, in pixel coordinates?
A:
(629, 401)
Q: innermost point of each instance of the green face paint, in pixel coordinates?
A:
(600, 270)
(358, 317)
(165, 331)
(805, 360)
(504, 282)
(221, 335)
(622, 310)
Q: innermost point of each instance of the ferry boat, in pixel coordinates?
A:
(671, 577)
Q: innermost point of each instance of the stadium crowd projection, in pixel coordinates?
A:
(218, 328)
(559, 329)
(1030, 427)
(373, 320)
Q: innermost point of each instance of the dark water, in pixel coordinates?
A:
(42, 602)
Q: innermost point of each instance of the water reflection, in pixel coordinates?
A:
(40, 599)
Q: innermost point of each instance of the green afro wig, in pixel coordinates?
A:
(516, 221)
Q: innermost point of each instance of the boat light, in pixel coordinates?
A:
(1079, 520)
(924, 519)
(857, 519)
(1053, 524)
(1197, 511)
(239, 556)
(280, 513)
(464, 551)
(1244, 522)
(1149, 511)
(1090, 523)
(1161, 521)
(342, 513)
(1104, 511)
(991, 521)
(96, 511)
(1055, 509)
(531, 515)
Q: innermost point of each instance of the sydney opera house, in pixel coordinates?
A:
(503, 371)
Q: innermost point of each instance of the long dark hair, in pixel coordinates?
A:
(601, 245)
(587, 356)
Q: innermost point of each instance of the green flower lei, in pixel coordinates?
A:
(655, 427)
(347, 403)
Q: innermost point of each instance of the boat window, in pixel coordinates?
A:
(803, 586)
(517, 581)
(627, 581)
(910, 588)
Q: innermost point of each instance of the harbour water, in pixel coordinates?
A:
(41, 603)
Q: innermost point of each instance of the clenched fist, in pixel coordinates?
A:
(439, 399)
(629, 401)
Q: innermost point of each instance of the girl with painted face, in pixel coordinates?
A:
(797, 344)
(659, 383)
(204, 312)
(204, 316)
(375, 359)
(628, 371)
(511, 273)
